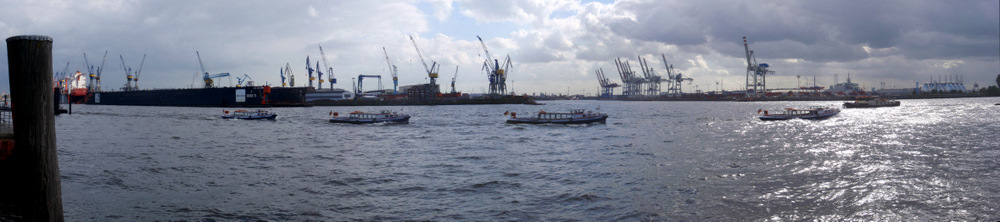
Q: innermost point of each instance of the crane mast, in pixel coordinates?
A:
(329, 69)
(453, 81)
(209, 83)
(100, 69)
(497, 75)
(60, 82)
(137, 72)
(128, 74)
(310, 71)
(392, 70)
(431, 70)
(288, 72)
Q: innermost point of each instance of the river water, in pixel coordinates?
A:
(934, 159)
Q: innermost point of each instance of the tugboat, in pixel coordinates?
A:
(870, 102)
(358, 117)
(576, 116)
(793, 113)
(244, 114)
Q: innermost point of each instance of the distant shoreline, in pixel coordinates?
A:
(781, 98)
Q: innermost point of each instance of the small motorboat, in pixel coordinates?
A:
(576, 116)
(358, 117)
(793, 113)
(245, 114)
(871, 102)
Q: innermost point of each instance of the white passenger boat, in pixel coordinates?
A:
(870, 102)
(358, 117)
(576, 116)
(793, 113)
(245, 114)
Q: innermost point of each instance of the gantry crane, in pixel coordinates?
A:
(432, 71)
(652, 80)
(607, 87)
(674, 79)
(329, 69)
(497, 75)
(755, 86)
(209, 83)
(392, 70)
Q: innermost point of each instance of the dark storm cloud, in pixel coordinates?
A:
(822, 31)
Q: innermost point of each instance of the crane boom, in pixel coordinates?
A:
(101, 68)
(128, 75)
(329, 69)
(420, 55)
(66, 69)
(87, 63)
(200, 64)
(389, 63)
(209, 83)
(310, 71)
(137, 72)
(392, 70)
(488, 56)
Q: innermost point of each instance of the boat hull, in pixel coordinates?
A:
(260, 117)
(788, 117)
(402, 119)
(585, 120)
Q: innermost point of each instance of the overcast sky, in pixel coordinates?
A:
(555, 45)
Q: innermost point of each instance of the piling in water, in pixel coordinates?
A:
(35, 190)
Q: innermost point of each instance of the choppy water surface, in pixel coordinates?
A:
(925, 160)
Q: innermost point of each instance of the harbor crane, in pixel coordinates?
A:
(94, 73)
(633, 83)
(131, 76)
(755, 86)
(432, 71)
(607, 87)
(310, 70)
(62, 77)
(241, 80)
(329, 69)
(282, 71)
(674, 79)
(497, 73)
(319, 74)
(453, 91)
(287, 73)
(209, 83)
(392, 70)
(652, 80)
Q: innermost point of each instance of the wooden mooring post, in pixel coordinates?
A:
(35, 188)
